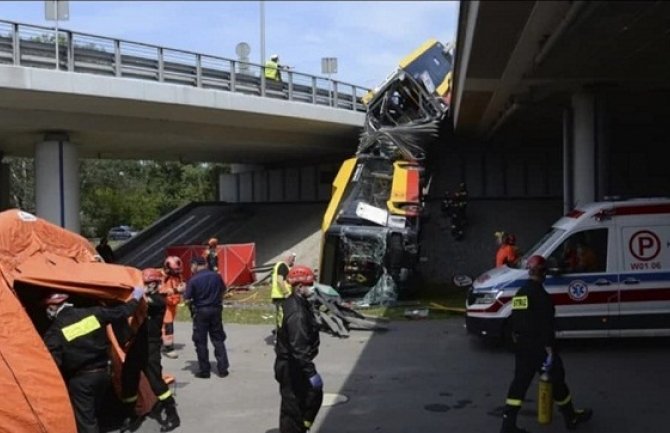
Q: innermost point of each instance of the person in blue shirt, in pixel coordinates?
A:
(204, 294)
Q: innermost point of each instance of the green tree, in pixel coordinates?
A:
(115, 192)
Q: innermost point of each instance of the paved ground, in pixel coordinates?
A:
(420, 377)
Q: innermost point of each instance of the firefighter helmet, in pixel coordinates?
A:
(151, 275)
(56, 298)
(173, 265)
(300, 275)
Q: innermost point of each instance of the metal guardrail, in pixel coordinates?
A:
(34, 46)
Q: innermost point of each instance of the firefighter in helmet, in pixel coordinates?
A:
(78, 343)
(144, 355)
(300, 385)
(535, 350)
(171, 288)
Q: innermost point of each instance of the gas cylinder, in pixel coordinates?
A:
(545, 400)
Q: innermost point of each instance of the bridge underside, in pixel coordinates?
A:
(526, 60)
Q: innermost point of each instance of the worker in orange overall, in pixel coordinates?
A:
(172, 287)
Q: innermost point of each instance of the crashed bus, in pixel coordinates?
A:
(372, 226)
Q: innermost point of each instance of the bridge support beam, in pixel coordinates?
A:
(586, 150)
(57, 181)
(252, 183)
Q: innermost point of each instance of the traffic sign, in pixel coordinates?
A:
(56, 10)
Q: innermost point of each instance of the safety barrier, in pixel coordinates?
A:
(35, 46)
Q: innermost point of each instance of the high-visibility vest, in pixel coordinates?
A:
(272, 70)
(280, 289)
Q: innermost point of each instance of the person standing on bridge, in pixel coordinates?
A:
(300, 385)
(535, 350)
(272, 69)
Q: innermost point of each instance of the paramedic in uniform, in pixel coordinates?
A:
(533, 333)
(78, 343)
(297, 345)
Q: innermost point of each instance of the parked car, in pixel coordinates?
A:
(121, 233)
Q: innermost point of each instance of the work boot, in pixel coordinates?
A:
(170, 352)
(509, 420)
(172, 420)
(131, 420)
(573, 416)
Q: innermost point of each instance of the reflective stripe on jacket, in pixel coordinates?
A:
(280, 289)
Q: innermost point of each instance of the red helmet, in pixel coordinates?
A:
(213, 242)
(510, 239)
(536, 264)
(56, 298)
(300, 274)
(173, 265)
(151, 275)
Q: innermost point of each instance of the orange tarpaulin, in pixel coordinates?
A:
(40, 255)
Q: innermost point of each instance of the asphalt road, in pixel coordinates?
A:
(420, 377)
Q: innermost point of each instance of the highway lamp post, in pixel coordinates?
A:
(262, 53)
(57, 10)
(329, 67)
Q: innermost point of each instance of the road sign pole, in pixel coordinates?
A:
(57, 50)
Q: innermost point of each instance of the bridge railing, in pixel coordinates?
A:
(35, 46)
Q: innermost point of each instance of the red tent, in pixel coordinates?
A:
(235, 261)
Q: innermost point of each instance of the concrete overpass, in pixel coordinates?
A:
(564, 98)
(110, 98)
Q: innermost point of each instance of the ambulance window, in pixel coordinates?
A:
(583, 252)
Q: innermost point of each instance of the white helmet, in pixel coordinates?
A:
(274, 57)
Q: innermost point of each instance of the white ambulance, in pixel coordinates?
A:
(609, 274)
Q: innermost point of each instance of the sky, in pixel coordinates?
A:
(367, 37)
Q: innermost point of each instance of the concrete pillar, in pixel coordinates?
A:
(260, 186)
(4, 185)
(57, 181)
(590, 151)
(307, 183)
(246, 186)
(276, 180)
(292, 184)
(229, 188)
(568, 169)
(239, 185)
